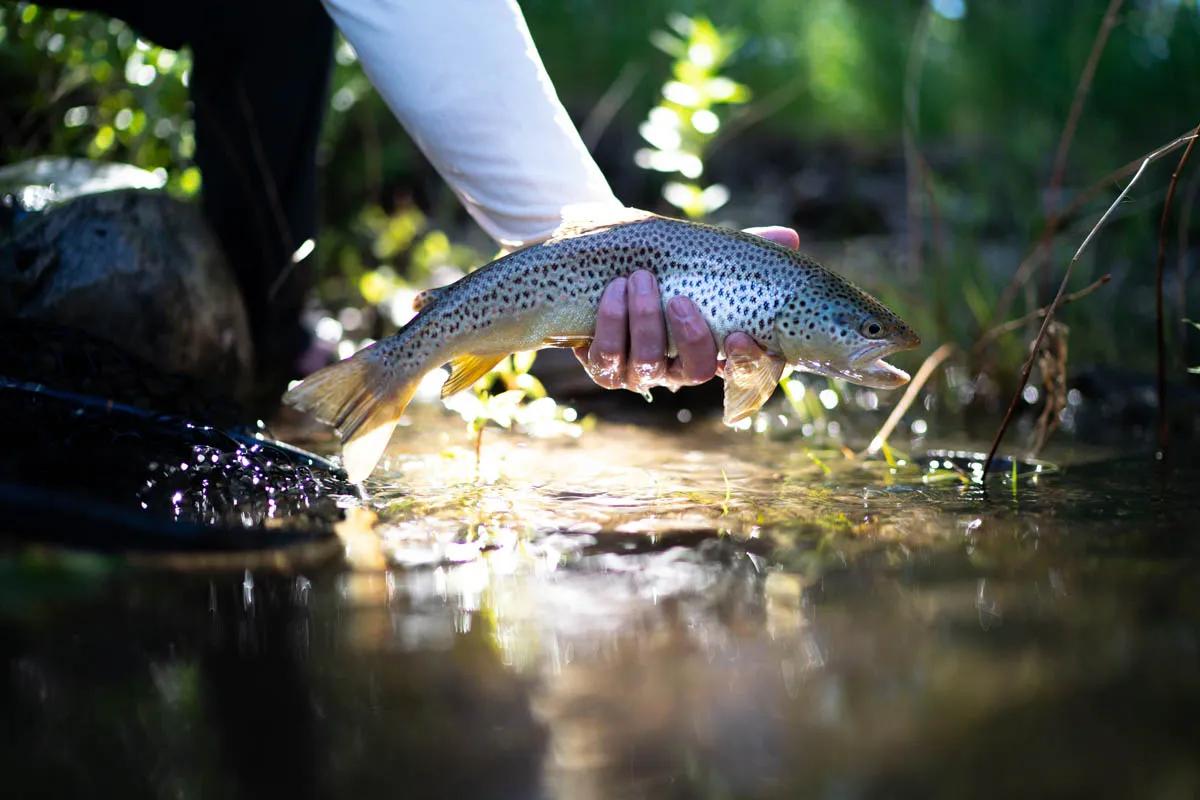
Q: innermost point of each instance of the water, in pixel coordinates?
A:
(637, 612)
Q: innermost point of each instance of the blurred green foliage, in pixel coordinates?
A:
(87, 86)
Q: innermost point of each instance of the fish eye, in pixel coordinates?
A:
(871, 328)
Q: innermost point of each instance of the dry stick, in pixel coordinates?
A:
(910, 394)
(1030, 265)
(756, 112)
(912, 155)
(611, 102)
(1160, 333)
(1185, 218)
(1037, 342)
(1015, 324)
(1081, 92)
(1050, 229)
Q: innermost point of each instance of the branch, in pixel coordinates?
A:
(1037, 342)
(1081, 92)
(1160, 324)
(1014, 324)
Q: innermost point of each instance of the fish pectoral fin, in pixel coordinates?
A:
(567, 341)
(465, 370)
(749, 382)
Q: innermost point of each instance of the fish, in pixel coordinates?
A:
(546, 295)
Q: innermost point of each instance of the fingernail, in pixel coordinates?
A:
(678, 307)
(643, 282)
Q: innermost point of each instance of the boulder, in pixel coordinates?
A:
(91, 247)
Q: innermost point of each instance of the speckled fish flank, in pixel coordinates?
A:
(546, 295)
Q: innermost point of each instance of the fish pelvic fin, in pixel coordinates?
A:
(465, 370)
(749, 382)
(362, 401)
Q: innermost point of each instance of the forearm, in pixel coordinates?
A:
(465, 80)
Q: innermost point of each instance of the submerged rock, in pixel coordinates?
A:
(89, 246)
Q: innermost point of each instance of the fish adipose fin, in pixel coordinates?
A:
(426, 297)
(465, 370)
(361, 402)
(749, 382)
(581, 219)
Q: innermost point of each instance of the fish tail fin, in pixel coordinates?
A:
(361, 401)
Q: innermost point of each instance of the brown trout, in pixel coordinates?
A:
(545, 295)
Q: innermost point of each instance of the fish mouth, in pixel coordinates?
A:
(865, 367)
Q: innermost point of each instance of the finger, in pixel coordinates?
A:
(740, 345)
(647, 333)
(778, 234)
(605, 358)
(696, 360)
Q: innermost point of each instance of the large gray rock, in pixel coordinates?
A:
(129, 265)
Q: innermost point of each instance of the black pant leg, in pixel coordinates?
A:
(259, 87)
(259, 100)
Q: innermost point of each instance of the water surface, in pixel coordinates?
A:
(638, 612)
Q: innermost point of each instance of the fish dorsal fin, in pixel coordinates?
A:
(749, 382)
(581, 219)
(465, 370)
(427, 296)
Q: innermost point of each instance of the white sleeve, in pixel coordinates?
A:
(466, 81)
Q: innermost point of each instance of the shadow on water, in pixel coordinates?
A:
(638, 613)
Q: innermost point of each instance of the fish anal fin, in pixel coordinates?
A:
(581, 219)
(749, 382)
(567, 341)
(465, 370)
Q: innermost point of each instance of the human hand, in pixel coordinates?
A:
(628, 349)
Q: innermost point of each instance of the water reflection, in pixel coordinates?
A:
(637, 614)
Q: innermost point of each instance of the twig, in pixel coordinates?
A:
(611, 102)
(1160, 268)
(1051, 227)
(1030, 265)
(756, 112)
(912, 155)
(1081, 92)
(930, 364)
(1015, 324)
(1082, 88)
(1185, 219)
(1037, 342)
